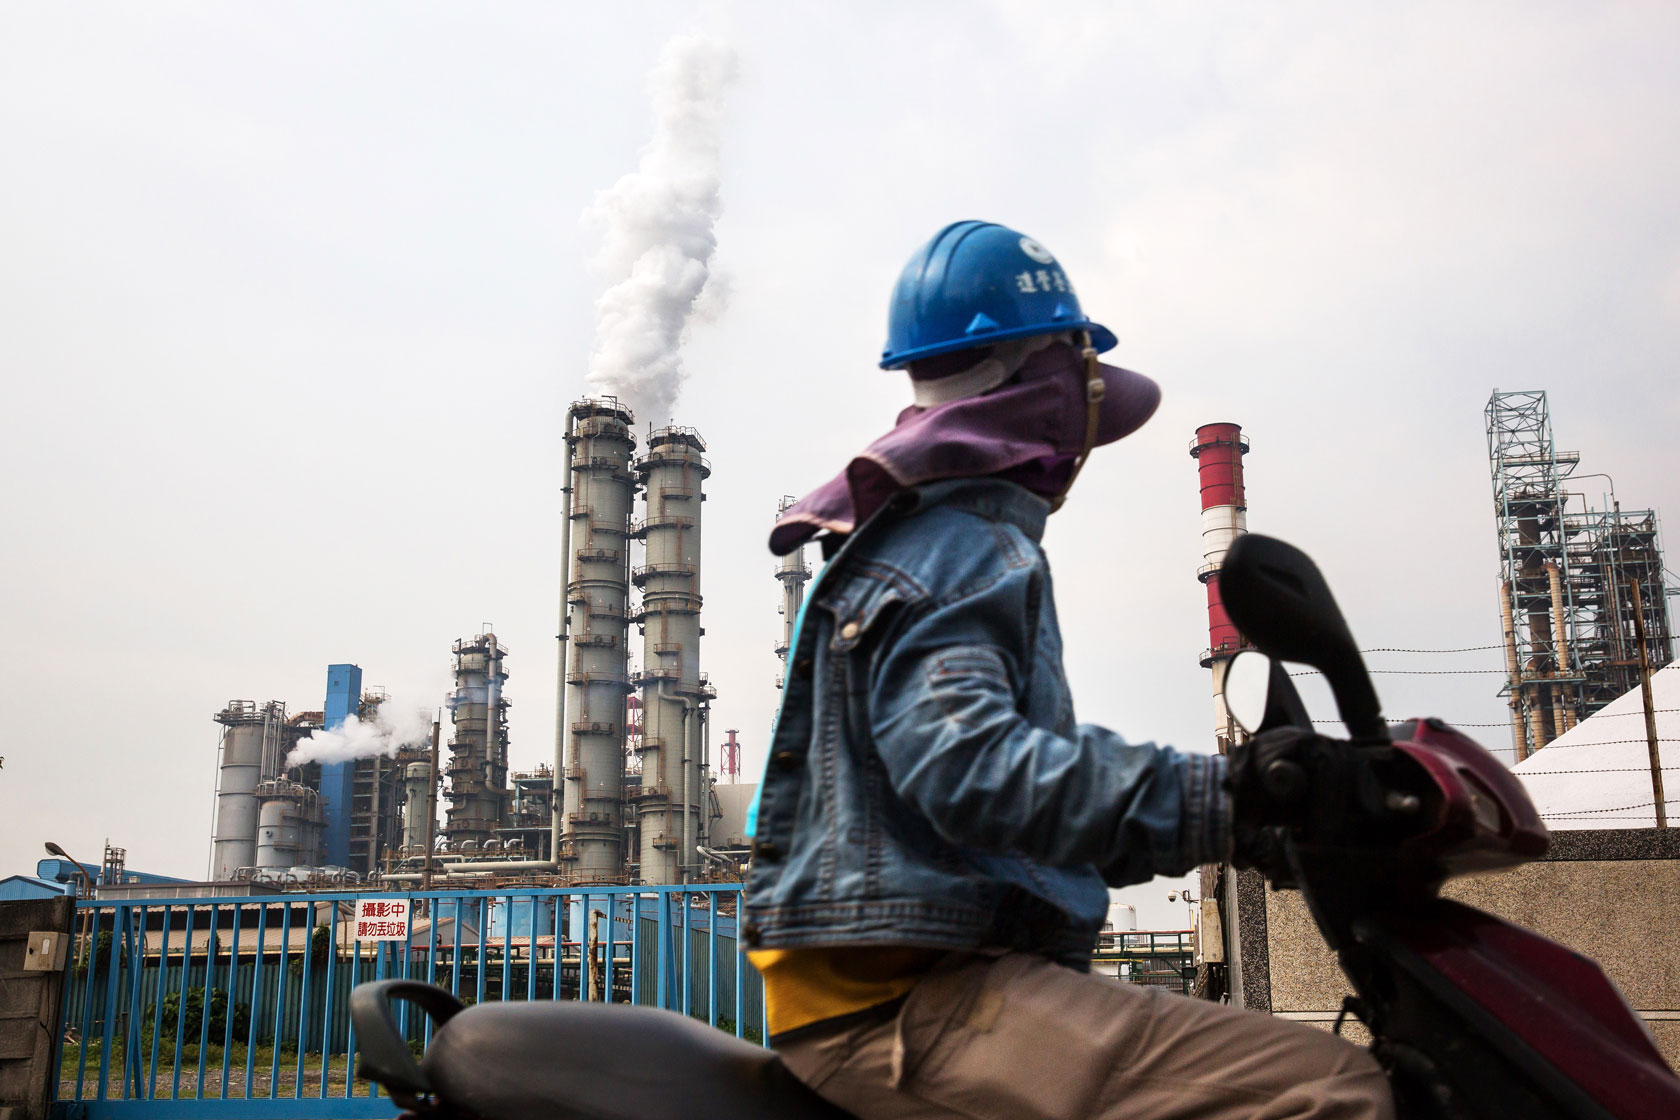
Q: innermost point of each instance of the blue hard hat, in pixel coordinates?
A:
(976, 283)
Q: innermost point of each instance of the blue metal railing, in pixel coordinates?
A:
(239, 1007)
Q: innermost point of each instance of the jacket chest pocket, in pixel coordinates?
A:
(857, 614)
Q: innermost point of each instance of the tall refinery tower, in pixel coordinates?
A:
(672, 797)
(793, 574)
(478, 752)
(600, 495)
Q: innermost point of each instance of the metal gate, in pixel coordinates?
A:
(238, 1007)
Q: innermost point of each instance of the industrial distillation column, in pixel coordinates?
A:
(671, 798)
(478, 766)
(792, 573)
(597, 626)
(1218, 450)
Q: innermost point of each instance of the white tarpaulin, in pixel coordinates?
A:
(1598, 774)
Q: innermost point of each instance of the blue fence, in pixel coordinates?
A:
(239, 1007)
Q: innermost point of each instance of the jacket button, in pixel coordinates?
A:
(803, 666)
(785, 760)
(849, 631)
(766, 851)
(751, 933)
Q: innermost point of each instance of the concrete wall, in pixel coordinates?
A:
(1612, 894)
(30, 1001)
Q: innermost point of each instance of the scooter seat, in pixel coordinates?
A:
(595, 1061)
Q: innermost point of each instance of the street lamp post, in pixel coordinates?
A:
(87, 883)
(1189, 904)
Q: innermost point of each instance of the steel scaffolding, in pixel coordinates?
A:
(1567, 573)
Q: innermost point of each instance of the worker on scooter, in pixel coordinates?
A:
(935, 835)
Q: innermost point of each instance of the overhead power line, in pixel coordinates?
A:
(1651, 804)
(1462, 649)
(1602, 770)
(1413, 672)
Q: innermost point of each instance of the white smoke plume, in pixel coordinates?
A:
(392, 727)
(657, 234)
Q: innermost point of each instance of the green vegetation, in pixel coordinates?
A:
(192, 1022)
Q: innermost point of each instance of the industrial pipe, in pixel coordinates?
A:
(557, 814)
(1563, 712)
(703, 829)
(1513, 670)
(469, 870)
(688, 705)
(1657, 798)
(1537, 715)
(431, 799)
(462, 870)
(690, 728)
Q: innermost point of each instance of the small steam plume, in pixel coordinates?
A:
(657, 236)
(389, 730)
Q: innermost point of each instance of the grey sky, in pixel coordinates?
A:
(292, 298)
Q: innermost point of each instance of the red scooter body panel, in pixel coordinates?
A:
(1484, 819)
(1557, 1001)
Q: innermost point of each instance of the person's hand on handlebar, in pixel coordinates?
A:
(1287, 778)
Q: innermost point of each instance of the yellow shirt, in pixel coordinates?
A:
(805, 986)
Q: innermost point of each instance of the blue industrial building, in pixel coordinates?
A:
(344, 697)
(16, 887)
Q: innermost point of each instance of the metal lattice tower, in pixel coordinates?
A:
(1566, 575)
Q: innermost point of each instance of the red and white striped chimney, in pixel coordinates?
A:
(1218, 450)
(731, 762)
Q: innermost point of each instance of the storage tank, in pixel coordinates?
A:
(417, 790)
(248, 732)
(1122, 917)
(290, 825)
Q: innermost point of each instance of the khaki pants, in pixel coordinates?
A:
(1016, 1036)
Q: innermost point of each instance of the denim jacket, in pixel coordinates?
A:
(927, 784)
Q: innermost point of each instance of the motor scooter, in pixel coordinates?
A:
(1473, 1018)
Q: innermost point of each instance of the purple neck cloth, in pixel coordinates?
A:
(1029, 431)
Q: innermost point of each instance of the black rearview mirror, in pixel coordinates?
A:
(1247, 685)
(1279, 601)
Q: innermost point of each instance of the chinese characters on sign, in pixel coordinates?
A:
(382, 919)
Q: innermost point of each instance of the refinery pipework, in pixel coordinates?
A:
(594, 641)
(670, 800)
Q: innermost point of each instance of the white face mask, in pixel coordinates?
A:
(1004, 362)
